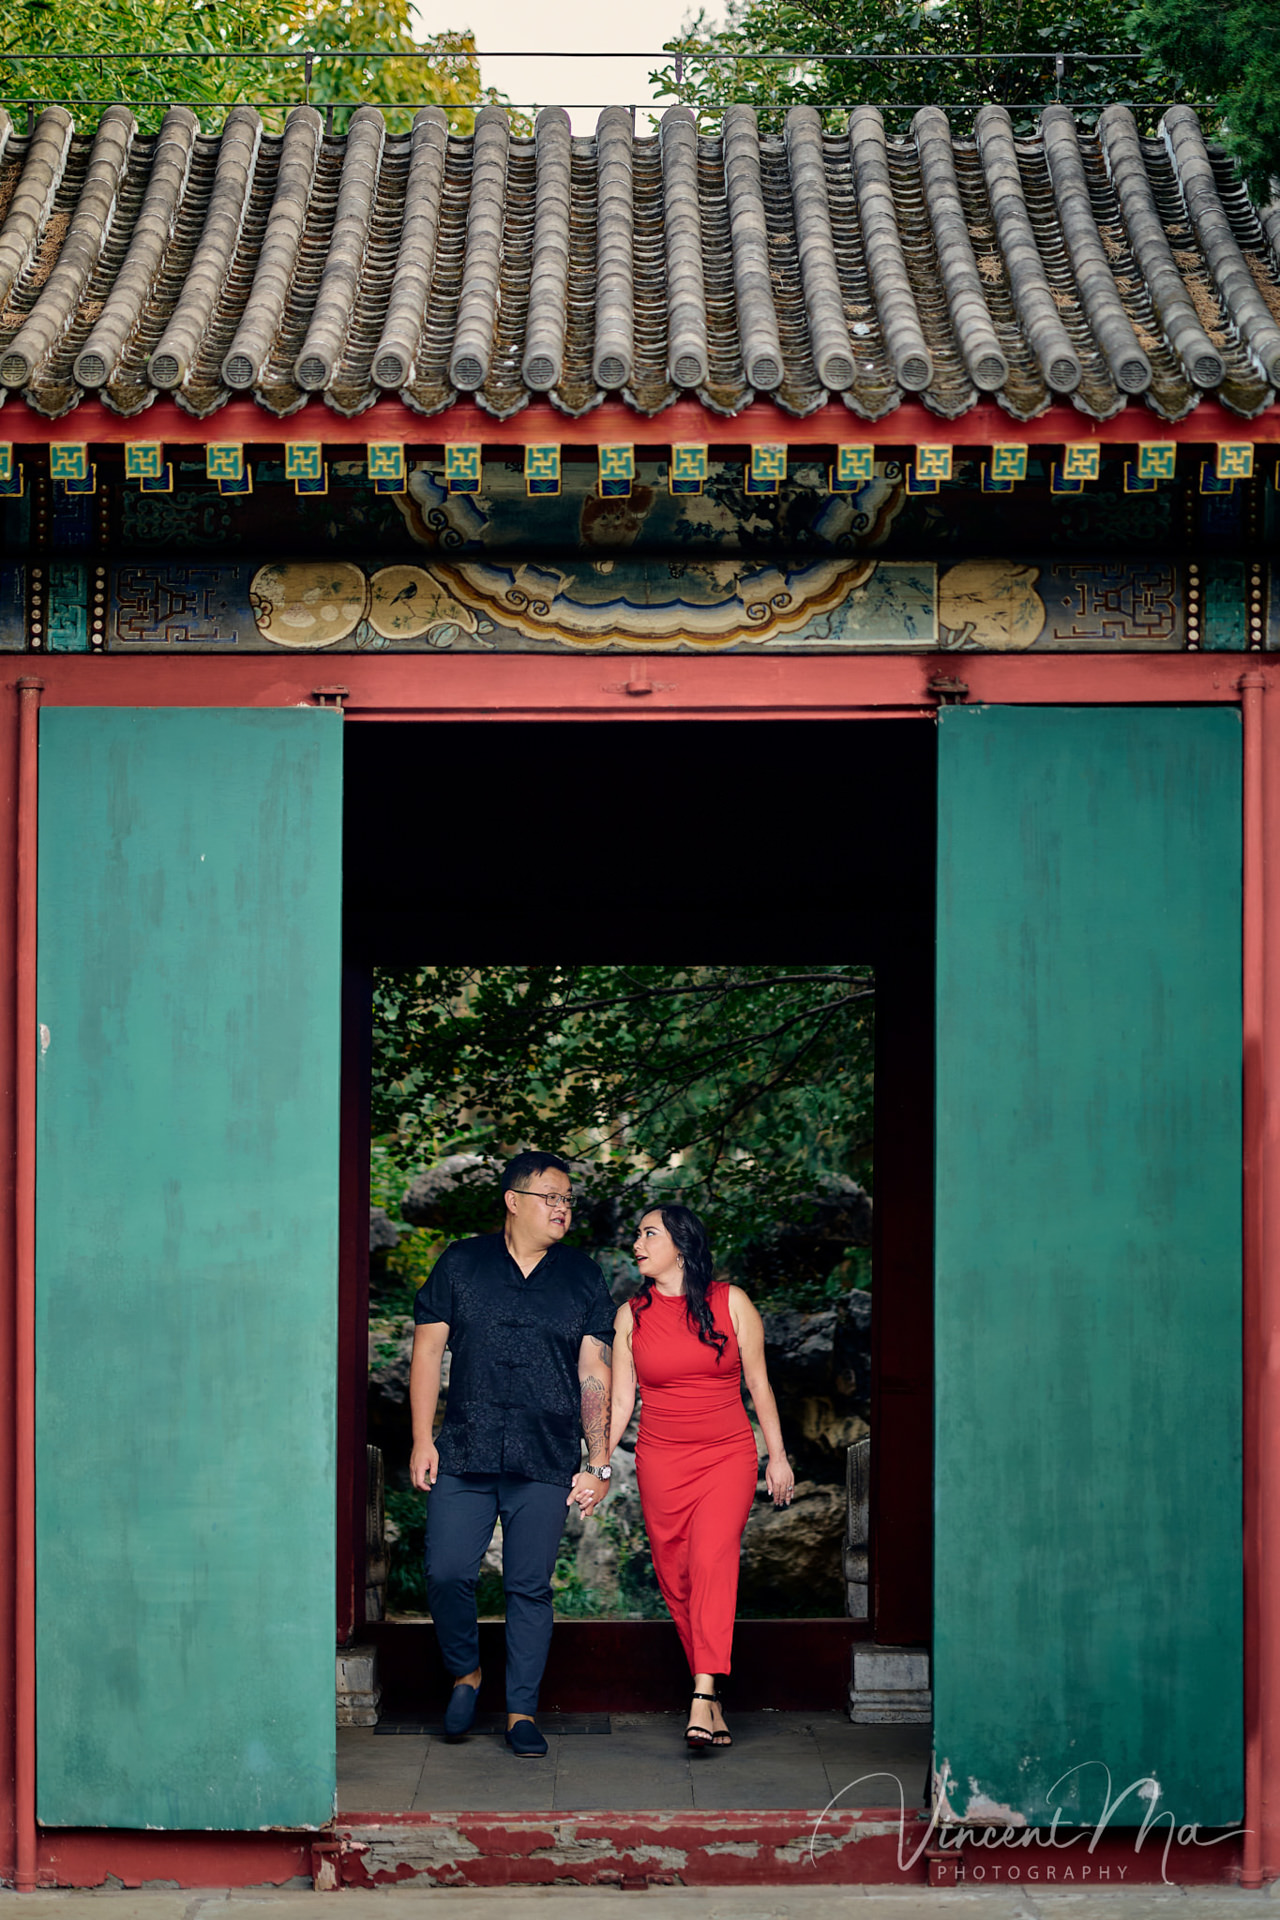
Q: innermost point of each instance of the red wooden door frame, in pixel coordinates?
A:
(902, 956)
(353, 1303)
(672, 686)
(604, 686)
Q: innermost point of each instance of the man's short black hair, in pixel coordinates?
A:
(525, 1166)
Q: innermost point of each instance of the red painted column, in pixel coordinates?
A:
(1252, 688)
(353, 1301)
(1262, 1363)
(8, 1381)
(24, 1216)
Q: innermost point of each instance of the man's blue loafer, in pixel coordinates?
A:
(459, 1715)
(525, 1741)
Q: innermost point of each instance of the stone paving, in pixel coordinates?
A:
(659, 1903)
(787, 1760)
(779, 1760)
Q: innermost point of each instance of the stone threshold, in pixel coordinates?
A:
(869, 1847)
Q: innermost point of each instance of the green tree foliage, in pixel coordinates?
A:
(208, 56)
(59, 51)
(741, 1091)
(1223, 56)
(1226, 52)
(943, 30)
(402, 80)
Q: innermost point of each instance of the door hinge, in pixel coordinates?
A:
(639, 682)
(948, 692)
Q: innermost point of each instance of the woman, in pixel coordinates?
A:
(689, 1341)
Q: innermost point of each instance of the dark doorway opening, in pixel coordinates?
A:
(768, 841)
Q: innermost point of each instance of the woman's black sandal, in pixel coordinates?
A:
(723, 1738)
(700, 1736)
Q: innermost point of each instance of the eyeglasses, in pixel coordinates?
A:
(548, 1199)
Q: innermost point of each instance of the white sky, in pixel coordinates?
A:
(564, 26)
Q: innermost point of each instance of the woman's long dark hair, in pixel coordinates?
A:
(691, 1243)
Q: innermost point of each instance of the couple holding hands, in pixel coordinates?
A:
(542, 1361)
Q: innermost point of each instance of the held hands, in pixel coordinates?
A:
(424, 1465)
(587, 1493)
(779, 1480)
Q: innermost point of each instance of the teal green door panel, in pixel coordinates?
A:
(189, 956)
(1088, 1411)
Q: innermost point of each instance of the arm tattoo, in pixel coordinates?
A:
(604, 1348)
(595, 1419)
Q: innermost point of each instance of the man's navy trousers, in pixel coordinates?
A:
(462, 1510)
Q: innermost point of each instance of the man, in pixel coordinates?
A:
(529, 1322)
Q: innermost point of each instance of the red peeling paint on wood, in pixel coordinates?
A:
(625, 1849)
(90, 1856)
(859, 1847)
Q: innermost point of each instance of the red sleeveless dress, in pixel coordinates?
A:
(696, 1467)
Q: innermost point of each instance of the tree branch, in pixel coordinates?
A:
(716, 987)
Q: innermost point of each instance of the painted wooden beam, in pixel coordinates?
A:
(687, 420)
(668, 687)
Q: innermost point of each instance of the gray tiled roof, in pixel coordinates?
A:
(959, 263)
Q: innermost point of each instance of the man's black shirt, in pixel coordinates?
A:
(514, 1402)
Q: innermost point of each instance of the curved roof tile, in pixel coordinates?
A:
(149, 236)
(687, 351)
(881, 213)
(749, 237)
(960, 262)
(957, 263)
(1122, 150)
(613, 353)
(278, 257)
(1099, 294)
(1212, 224)
(174, 357)
(482, 267)
(318, 359)
(33, 173)
(63, 291)
(395, 361)
(542, 363)
(815, 245)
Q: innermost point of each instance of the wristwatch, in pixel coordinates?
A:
(601, 1473)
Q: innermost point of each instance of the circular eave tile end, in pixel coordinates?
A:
(611, 371)
(765, 373)
(836, 372)
(915, 371)
(1208, 370)
(1133, 375)
(239, 371)
(688, 370)
(467, 372)
(391, 370)
(539, 372)
(90, 370)
(1063, 375)
(311, 372)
